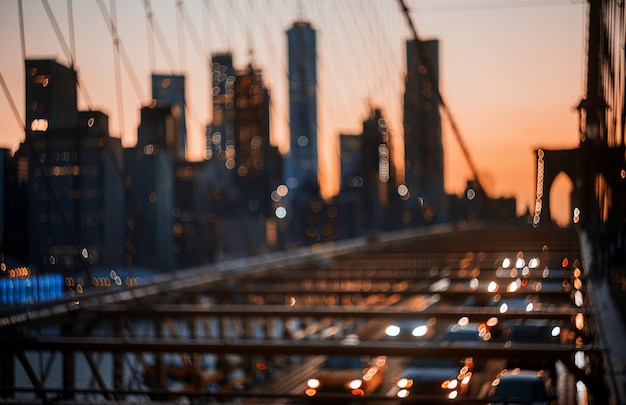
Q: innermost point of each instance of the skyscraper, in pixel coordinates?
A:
(74, 194)
(423, 150)
(221, 133)
(170, 90)
(51, 100)
(150, 171)
(252, 141)
(302, 164)
(376, 168)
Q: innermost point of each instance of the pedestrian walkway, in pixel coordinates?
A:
(612, 337)
(611, 330)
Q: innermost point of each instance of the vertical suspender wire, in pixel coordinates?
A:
(121, 52)
(194, 36)
(16, 113)
(222, 28)
(111, 23)
(249, 38)
(180, 29)
(161, 39)
(622, 37)
(83, 262)
(22, 39)
(196, 41)
(70, 18)
(66, 50)
(206, 32)
(252, 45)
(150, 31)
(57, 31)
(277, 114)
(448, 113)
(23, 50)
(229, 39)
(116, 67)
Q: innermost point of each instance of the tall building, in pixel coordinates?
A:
(170, 89)
(194, 232)
(15, 242)
(302, 163)
(351, 199)
(376, 158)
(74, 191)
(301, 175)
(221, 133)
(150, 170)
(350, 148)
(252, 142)
(51, 100)
(423, 150)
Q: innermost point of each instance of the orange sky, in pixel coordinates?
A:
(510, 74)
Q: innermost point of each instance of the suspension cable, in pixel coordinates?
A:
(116, 67)
(66, 50)
(435, 83)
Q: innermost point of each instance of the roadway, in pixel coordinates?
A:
(258, 329)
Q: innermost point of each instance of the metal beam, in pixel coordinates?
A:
(277, 347)
(280, 311)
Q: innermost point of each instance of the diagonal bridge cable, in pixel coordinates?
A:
(423, 54)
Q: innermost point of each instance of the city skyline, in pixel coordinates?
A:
(545, 123)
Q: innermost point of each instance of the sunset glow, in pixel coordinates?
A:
(511, 75)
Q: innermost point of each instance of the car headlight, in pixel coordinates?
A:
(313, 383)
(355, 384)
(420, 331)
(404, 383)
(466, 379)
(403, 393)
(392, 330)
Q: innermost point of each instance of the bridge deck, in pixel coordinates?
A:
(299, 304)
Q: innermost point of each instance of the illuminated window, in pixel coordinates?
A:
(303, 140)
(44, 80)
(40, 124)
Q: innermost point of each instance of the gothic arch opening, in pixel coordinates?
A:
(560, 200)
(604, 197)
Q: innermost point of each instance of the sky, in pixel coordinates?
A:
(511, 71)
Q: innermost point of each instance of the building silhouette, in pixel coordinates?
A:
(366, 201)
(170, 89)
(66, 178)
(377, 170)
(301, 175)
(351, 198)
(302, 163)
(150, 174)
(221, 132)
(256, 171)
(194, 212)
(423, 147)
(76, 203)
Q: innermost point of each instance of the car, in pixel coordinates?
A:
(526, 304)
(525, 386)
(411, 330)
(353, 374)
(448, 377)
(465, 333)
(530, 331)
